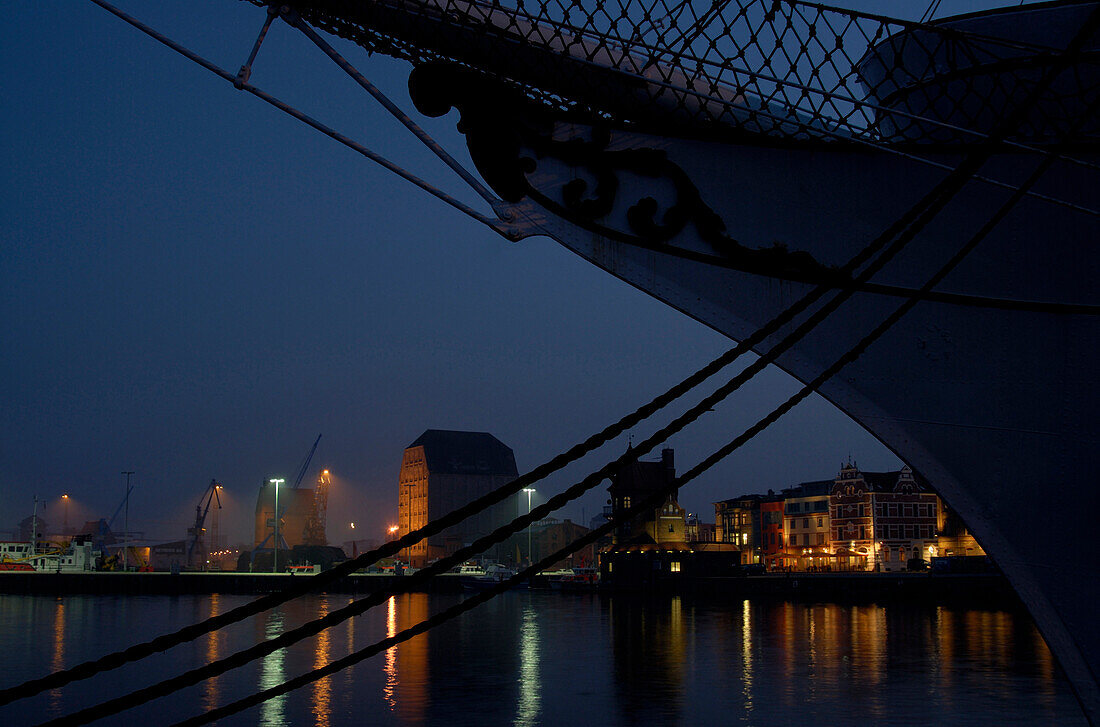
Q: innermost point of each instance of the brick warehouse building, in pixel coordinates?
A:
(443, 470)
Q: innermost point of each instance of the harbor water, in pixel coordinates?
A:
(549, 658)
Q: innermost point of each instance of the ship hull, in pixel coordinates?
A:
(990, 393)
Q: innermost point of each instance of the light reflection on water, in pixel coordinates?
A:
(530, 690)
(391, 654)
(322, 688)
(272, 671)
(551, 658)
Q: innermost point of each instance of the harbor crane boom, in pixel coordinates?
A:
(305, 464)
(195, 533)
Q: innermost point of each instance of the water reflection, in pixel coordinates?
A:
(746, 656)
(322, 688)
(542, 658)
(648, 638)
(210, 692)
(273, 672)
(390, 667)
(411, 675)
(58, 661)
(530, 687)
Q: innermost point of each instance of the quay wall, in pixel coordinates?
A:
(830, 587)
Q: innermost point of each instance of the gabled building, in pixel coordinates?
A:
(881, 520)
(443, 470)
(637, 481)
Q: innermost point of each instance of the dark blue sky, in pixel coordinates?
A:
(195, 285)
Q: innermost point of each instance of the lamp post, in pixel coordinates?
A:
(126, 525)
(275, 560)
(65, 524)
(529, 490)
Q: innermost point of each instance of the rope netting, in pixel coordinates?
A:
(781, 68)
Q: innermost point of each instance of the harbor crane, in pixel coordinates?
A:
(315, 524)
(195, 533)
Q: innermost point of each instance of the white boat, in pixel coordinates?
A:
(77, 556)
(493, 575)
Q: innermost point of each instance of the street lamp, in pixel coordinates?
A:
(65, 525)
(275, 560)
(128, 474)
(529, 490)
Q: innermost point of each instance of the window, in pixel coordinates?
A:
(821, 522)
(893, 510)
(806, 523)
(674, 566)
(821, 538)
(671, 527)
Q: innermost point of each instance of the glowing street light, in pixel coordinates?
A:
(392, 531)
(275, 562)
(65, 525)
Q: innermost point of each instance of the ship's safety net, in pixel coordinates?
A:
(781, 68)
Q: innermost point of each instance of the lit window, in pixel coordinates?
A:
(674, 566)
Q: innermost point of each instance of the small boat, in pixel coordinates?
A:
(581, 579)
(494, 574)
(79, 555)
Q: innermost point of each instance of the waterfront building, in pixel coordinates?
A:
(772, 542)
(637, 481)
(739, 522)
(955, 539)
(551, 534)
(807, 527)
(696, 531)
(881, 520)
(443, 470)
(653, 548)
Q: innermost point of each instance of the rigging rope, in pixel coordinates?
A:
(936, 200)
(956, 179)
(189, 633)
(648, 504)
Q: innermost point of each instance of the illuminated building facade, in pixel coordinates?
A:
(738, 521)
(772, 540)
(806, 526)
(881, 520)
(443, 470)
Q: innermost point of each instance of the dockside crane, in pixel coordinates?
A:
(195, 533)
(315, 525)
(305, 463)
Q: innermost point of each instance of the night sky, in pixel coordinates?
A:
(195, 285)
